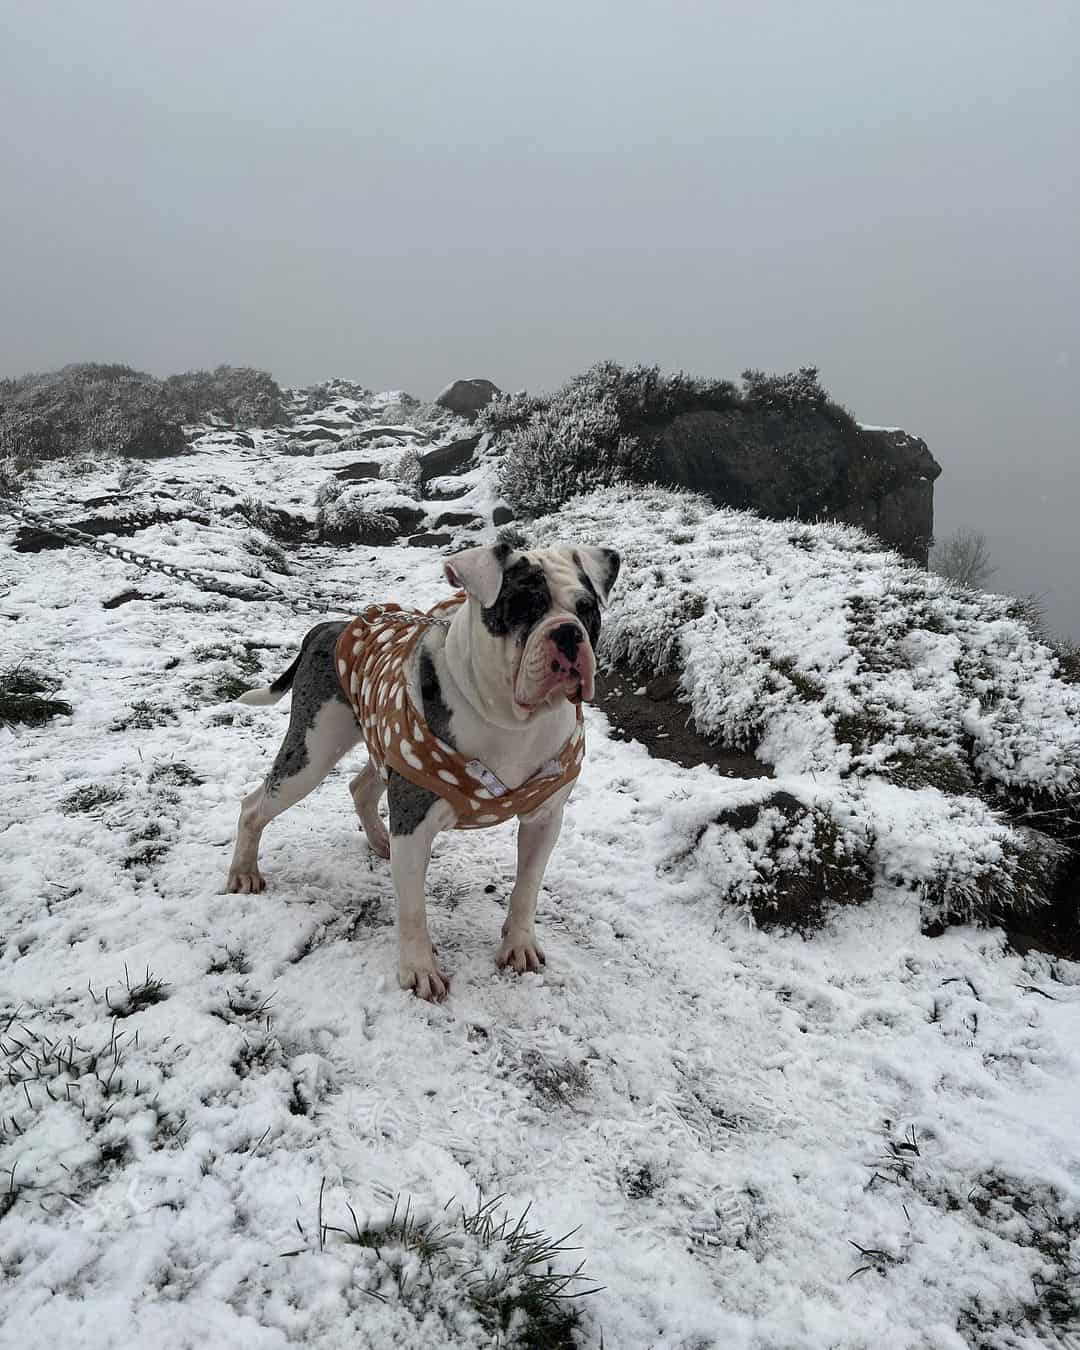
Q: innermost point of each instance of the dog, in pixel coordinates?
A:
(470, 713)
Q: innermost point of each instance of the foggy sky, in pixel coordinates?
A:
(402, 193)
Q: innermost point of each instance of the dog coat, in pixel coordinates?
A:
(374, 658)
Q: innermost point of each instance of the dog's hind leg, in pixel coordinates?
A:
(298, 768)
(322, 728)
(366, 789)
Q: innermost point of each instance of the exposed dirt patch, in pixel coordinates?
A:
(125, 597)
(650, 711)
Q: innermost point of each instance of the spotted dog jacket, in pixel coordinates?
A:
(373, 659)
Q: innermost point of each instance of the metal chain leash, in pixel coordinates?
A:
(204, 580)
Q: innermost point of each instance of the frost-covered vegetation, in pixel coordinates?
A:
(600, 427)
(87, 410)
(929, 721)
(96, 410)
(235, 394)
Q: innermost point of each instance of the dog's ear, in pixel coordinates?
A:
(478, 572)
(599, 567)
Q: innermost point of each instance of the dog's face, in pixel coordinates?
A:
(535, 618)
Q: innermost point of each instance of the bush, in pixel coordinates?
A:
(346, 515)
(509, 412)
(236, 394)
(601, 426)
(406, 470)
(798, 389)
(571, 447)
(16, 475)
(87, 410)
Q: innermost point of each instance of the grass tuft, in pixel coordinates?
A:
(89, 797)
(512, 1275)
(24, 697)
(175, 774)
(135, 997)
(143, 716)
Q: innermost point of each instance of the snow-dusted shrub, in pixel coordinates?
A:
(573, 446)
(271, 520)
(131, 475)
(349, 514)
(510, 412)
(237, 394)
(593, 431)
(798, 389)
(267, 552)
(405, 470)
(87, 409)
(16, 475)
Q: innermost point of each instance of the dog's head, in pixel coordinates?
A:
(534, 618)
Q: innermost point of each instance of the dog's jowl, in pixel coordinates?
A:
(470, 713)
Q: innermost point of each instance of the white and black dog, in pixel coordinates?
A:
(501, 685)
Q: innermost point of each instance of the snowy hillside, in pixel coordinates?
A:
(215, 1109)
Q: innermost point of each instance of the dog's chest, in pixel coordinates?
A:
(486, 774)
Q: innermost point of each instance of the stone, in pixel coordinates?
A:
(467, 519)
(449, 459)
(429, 539)
(445, 490)
(502, 515)
(407, 517)
(467, 397)
(362, 468)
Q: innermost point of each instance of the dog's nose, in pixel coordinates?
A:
(567, 638)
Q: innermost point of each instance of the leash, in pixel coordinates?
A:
(203, 580)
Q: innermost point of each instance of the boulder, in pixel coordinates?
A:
(407, 517)
(463, 519)
(787, 464)
(449, 459)
(361, 469)
(467, 397)
(502, 515)
(445, 489)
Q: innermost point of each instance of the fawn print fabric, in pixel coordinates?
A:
(374, 658)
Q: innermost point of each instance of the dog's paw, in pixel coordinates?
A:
(245, 883)
(378, 840)
(520, 951)
(424, 978)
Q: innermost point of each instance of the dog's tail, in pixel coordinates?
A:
(273, 693)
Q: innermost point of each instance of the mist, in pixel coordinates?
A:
(404, 194)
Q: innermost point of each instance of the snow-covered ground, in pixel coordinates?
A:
(867, 1139)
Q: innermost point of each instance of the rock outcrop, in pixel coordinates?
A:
(800, 464)
(467, 397)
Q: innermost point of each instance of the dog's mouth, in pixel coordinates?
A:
(572, 690)
(557, 664)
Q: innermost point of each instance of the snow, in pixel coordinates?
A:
(721, 1112)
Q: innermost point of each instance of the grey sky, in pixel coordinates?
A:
(402, 193)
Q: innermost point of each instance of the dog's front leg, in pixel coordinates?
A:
(536, 838)
(416, 817)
